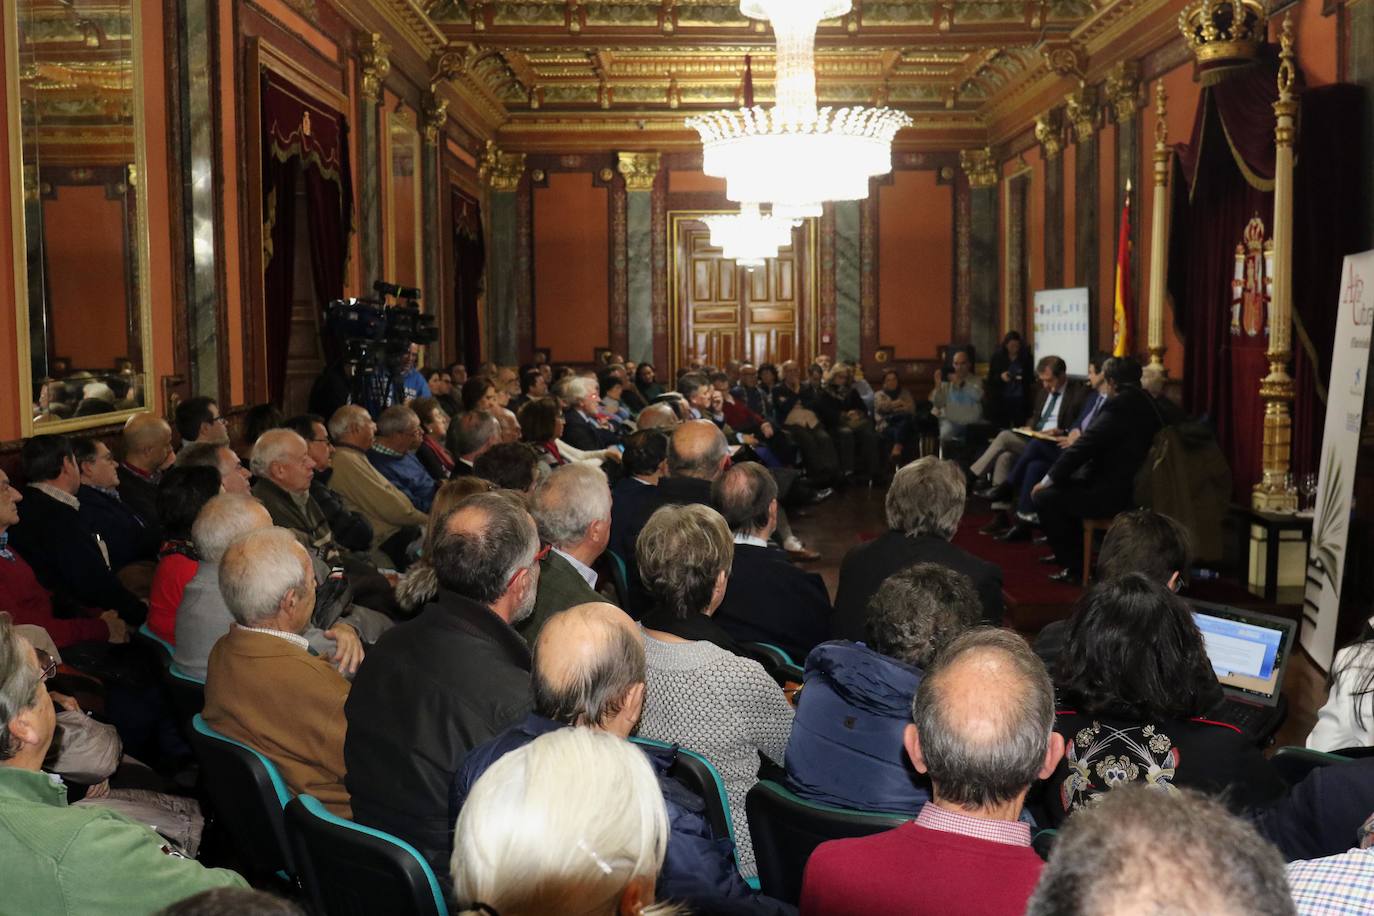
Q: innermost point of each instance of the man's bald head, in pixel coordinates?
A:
(588, 665)
(657, 416)
(225, 519)
(483, 543)
(983, 715)
(698, 449)
(147, 441)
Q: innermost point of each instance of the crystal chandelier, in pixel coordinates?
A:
(750, 237)
(795, 155)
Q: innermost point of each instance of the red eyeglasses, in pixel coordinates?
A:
(539, 555)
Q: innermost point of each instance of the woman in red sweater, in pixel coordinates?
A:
(180, 496)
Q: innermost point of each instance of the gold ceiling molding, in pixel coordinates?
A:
(639, 169)
(980, 166)
(1123, 89)
(501, 171)
(435, 111)
(1081, 110)
(374, 64)
(1049, 133)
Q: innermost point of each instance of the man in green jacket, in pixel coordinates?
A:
(572, 507)
(57, 859)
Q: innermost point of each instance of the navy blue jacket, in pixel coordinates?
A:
(846, 747)
(698, 868)
(408, 475)
(1322, 815)
(127, 536)
(579, 432)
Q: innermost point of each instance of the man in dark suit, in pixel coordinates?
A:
(1058, 402)
(767, 598)
(1095, 477)
(572, 507)
(582, 429)
(924, 505)
(147, 443)
(436, 686)
(129, 538)
(645, 462)
(470, 436)
(65, 555)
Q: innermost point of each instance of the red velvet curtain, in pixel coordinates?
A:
(1224, 177)
(303, 140)
(469, 259)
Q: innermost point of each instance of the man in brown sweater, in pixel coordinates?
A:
(264, 686)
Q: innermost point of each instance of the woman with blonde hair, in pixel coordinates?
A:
(419, 583)
(572, 823)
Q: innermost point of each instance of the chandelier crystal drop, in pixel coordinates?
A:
(750, 236)
(795, 155)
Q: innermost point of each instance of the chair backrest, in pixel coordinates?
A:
(248, 795)
(1295, 763)
(621, 576)
(700, 776)
(775, 661)
(188, 693)
(164, 649)
(348, 869)
(787, 829)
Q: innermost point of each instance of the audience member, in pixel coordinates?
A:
(257, 420)
(232, 901)
(395, 521)
(433, 454)
(198, 420)
(845, 415)
(645, 462)
(1347, 717)
(532, 388)
(56, 857)
(572, 508)
(700, 695)
(575, 815)
(767, 599)
(147, 446)
(398, 436)
(471, 435)
(479, 393)
(351, 530)
(583, 428)
(420, 583)
(794, 406)
(1136, 682)
(646, 383)
(127, 536)
(542, 425)
(205, 617)
(1111, 452)
(510, 466)
(894, 412)
(958, 399)
(264, 685)
(233, 475)
(65, 555)
(1009, 382)
(440, 383)
(982, 731)
(846, 746)
(180, 497)
(32, 604)
(1341, 884)
(1138, 851)
(439, 685)
(924, 505)
(1322, 814)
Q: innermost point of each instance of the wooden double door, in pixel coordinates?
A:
(728, 312)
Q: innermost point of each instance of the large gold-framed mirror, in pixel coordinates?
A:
(401, 189)
(74, 84)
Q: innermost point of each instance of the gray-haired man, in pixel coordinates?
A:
(572, 507)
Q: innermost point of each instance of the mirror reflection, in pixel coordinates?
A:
(81, 218)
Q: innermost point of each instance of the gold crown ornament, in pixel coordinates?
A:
(1224, 31)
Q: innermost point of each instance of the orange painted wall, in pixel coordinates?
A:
(915, 263)
(1316, 39)
(683, 182)
(1070, 158)
(10, 408)
(1108, 228)
(571, 267)
(86, 277)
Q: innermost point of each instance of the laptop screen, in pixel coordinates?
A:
(1248, 651)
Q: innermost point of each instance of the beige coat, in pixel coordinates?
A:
(365, 490)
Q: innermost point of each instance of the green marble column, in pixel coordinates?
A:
(848, 332)
(502, 277)
(640, 171)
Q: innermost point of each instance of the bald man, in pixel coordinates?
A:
(658, 416)
(147, 446)
(589, 672)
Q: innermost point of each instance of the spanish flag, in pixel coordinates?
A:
(1122, 313)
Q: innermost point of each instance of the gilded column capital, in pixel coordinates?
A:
(501, 171)
(980, 167)
(1123, 89)
(375, 64)
(435, 117)
(1049, 133)
(1081, 108)
(639, 169)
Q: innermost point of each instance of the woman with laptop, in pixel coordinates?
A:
(1136, 686)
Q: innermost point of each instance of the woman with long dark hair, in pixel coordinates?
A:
(1011, 381)
(1136, 687)
(1347, 719)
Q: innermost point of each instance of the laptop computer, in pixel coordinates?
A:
(1249, 652)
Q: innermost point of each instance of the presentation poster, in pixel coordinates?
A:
(1340, 443)
(1061, 327)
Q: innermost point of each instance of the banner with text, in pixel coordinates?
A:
(1340, 444)
(1061, 327)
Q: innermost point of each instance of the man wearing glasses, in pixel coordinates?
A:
(198, 420)
(57, 857)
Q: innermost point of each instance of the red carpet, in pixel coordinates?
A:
(1032, 599)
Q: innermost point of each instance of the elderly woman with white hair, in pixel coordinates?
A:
(572, 823)
(698, 694)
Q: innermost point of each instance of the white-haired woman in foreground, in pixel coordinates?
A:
(572, 823)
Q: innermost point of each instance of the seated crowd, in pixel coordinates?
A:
(493, 621)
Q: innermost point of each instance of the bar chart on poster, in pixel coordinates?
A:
(1061, 327)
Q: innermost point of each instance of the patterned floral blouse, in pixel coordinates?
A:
(1101, 754)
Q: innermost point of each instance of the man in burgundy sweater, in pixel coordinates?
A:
(983, 719)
